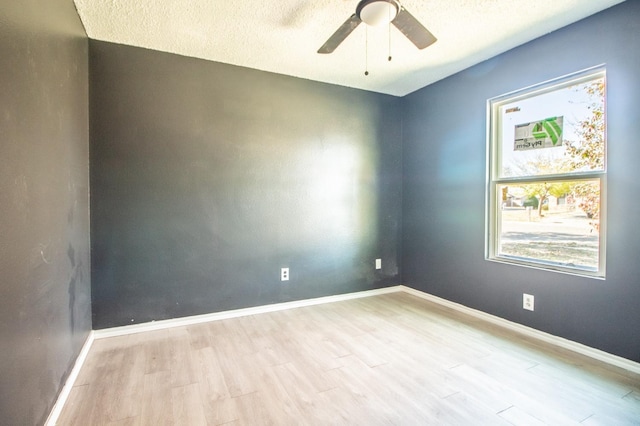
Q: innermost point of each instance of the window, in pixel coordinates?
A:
(547, 175)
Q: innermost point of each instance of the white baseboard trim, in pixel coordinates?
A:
(198, 319)
(69, 383)
(561, 342)
(522, 329)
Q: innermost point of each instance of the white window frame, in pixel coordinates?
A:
(493, 200)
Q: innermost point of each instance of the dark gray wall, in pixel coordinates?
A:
(44, 207)
(444, 188)
(206, 179)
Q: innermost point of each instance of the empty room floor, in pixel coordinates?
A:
(380, 360)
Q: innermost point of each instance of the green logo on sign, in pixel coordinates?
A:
(548, 128)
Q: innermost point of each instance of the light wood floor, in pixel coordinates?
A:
(391, 359)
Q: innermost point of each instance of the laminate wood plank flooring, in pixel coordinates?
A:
(392, 359)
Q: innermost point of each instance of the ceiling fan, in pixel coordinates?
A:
(379, 12)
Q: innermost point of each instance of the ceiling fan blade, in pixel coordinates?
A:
(338, 37)
(413, 29)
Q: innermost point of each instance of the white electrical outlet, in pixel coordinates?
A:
(284, 274)
(527, 301)
(378, 263)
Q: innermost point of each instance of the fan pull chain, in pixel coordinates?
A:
(366, 50)
(389, 34)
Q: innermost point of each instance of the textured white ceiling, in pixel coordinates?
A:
(282, 36)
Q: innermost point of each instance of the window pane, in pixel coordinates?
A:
(553, 223)
(556, 132)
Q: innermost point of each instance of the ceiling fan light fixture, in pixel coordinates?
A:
(377, 12)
